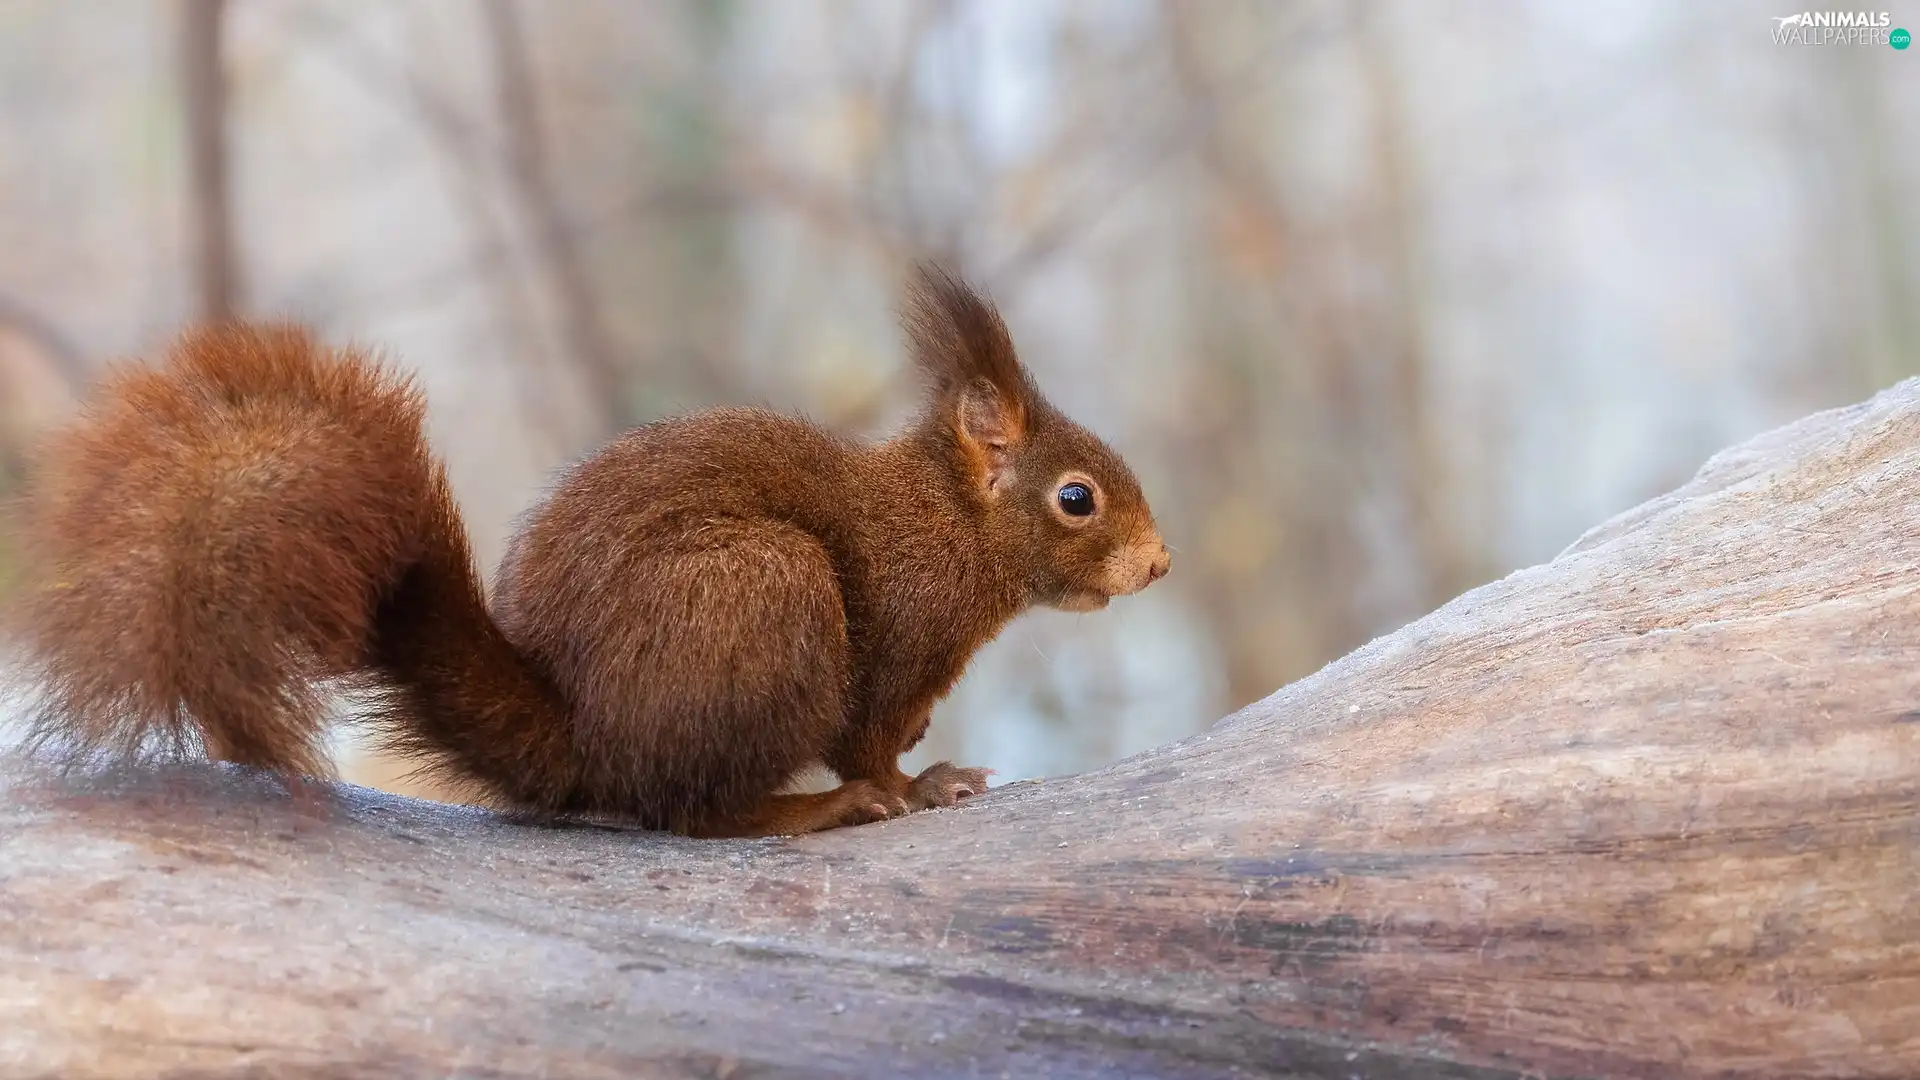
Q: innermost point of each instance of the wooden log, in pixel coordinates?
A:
(1652, 809)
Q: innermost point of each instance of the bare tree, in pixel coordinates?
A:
(204, 93)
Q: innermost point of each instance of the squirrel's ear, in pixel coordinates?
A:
(989, 429)
(963, 347)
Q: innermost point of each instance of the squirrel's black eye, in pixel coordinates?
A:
(1076, 500)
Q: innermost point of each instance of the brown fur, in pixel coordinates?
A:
(697, 612)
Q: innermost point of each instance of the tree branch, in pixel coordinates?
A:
(1647, 810)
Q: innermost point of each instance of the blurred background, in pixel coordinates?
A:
(1383, 300)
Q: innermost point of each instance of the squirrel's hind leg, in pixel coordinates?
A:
(855, 803)
(706, 665)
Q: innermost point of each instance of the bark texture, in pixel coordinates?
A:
(1652, 809)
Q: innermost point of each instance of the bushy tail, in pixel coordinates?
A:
(217, 536)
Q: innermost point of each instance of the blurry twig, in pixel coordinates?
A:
(558, 238)
(390, 78)
(463, 142)
(1152, 149)
(814, 203)
(896, 120)
(1245, 580)
(524, 148)
(204, 93)
(66, 358)
(496, 252)
(821, 206)
(1394, 230)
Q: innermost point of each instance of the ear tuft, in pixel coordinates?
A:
(958, 337)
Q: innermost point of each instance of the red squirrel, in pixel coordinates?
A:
(696, 612)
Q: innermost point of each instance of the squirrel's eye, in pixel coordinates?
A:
(1076, 500)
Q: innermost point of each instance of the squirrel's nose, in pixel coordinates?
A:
(1160, 565)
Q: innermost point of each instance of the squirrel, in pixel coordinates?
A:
(696, 612)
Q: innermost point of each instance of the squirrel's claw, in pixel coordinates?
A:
(945, 784)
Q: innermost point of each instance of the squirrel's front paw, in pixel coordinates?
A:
(863, 801)
(945, 784)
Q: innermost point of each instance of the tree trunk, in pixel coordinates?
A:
(203, 82)
(1651, 809)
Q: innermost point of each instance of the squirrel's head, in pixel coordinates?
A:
(1052, 494)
